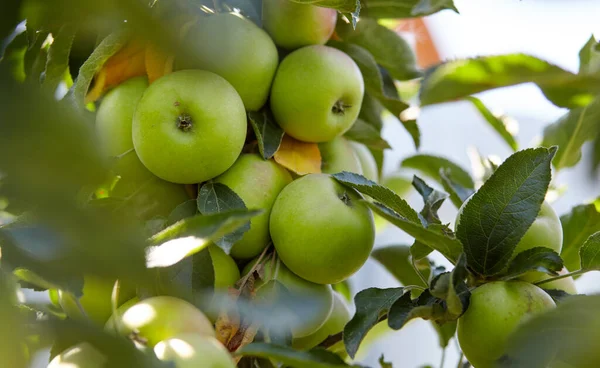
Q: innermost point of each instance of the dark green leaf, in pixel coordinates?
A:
(366, 134)
(459, 295)
(73, 285)
(370, 111)
(383, 363)
(404, 8)
(184, 210)
(590, 253)
(268, 133)
(35, 59)
(445, 332)
(569, 332)
(535, 259)
(571, 131)
(419, 250)
(496, 122)
(318, 358)
(458, 193)
(578, 225)
(57, 63)
(558, 295)
(218, 198)
(371, 304)
(12, 329)
(589, 57)
(396, 259)
(432, 199)
(203, 274)
(426, 7)
(497, 216)
(426, 306)
(431, 165)
(461, 78)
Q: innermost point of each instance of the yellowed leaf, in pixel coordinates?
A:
(158, 63)
(227, 324)
(300, 157)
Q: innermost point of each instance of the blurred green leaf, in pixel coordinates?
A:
(433, 200)
(419, 250)
(445, 332)
(571, 131)
(184, 210)
(404, 8)
(578, 225)
(370, 111)
(500, 212)
(495, 122)
(366, 134)
(317, 358)
(461, 78)
(267, 131)
(458, 193)
(12, 331)
(589, 57)
(590, 253)
(431, 165)
(535, 259)
(396, 259)
(57, 63)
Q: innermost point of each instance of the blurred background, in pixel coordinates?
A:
(554, 30)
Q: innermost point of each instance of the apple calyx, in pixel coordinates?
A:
(184, 122)
(339, 107)
(344, 197)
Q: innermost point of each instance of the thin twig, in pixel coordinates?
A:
(574, 273)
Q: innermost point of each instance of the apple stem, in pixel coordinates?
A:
(339, 107)
(574, 273)
(184, 122)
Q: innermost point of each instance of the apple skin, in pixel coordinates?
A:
(368, 164)
(293, 25)
(317, 299)
(82, 355)
(340, 315)
(495, 311)
(189, 127)
(567, 284)
(320, 229)
(257, 182)
(95, 301)
(227, 272)
(190, 350)
(317, 93)
(161, 317)
(337, 155)
(233, 47)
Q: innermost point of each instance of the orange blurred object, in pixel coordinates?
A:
(299, 157)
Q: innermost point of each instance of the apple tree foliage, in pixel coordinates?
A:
(55, 227)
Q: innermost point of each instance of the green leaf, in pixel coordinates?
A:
(318, 358)
(370, 111)
(500, 212)
(458, 193)
(107, 48)
(12, 331)
(445, 332)
(267, 131)
(193, 234)
(432, 199)
(73, 285)
(343, 6)
(203, 272)
(35, 59)
(496, 122)
(404, 8)
(426, 306)
(557, 295)
(437, 237)
(388, 48)
(184, 210)
(431, 165)
(371, 304)
(383, 363)
(589, 57)
(451, 287)
(396, 259)
(535, 259)
(218, 198)
(568, 332)
(590, 253)
(365, 133)
(578, 225)
(461, 78)
(419, 250)
(57, 63)
(571, 131)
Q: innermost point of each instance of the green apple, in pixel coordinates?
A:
(189, 127)
(293, 25)
(337, 155)
(190, 350)
(82, 355)
(494, 312)
(368, 164)
(96, 300)
(161, 317)
(340, 315)
(317, 93)
(236, 49)
(317, 300)
(567, 284)
(112, 324)
(257, 182)
(226, 272)
(321, 230)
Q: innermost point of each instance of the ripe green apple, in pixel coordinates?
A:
(337, 155)
(567, 284)
(257, 182)
(495, 311)
(161, 317)
(82, 355)
(340, 315)
(226, 271)
(317, 93)
(367, 161)
(317, 300)
(189, 127)
(321, 230)
(96, 299)
(233, 47)
(112, 324)
(293, 25)
(190, 350)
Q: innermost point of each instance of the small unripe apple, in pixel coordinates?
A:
(190, 350)
(317, 93)
(293, 25)
(257, 182)
(321, 230)
(82, 355)
(226, 271)
(368, 164)
(337, 155)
